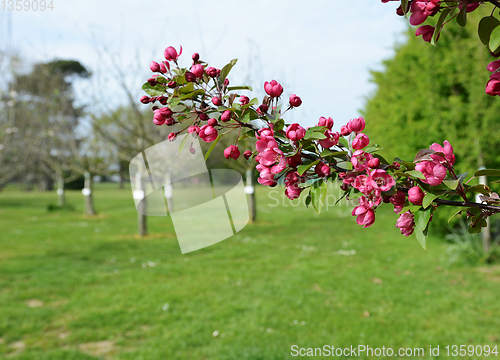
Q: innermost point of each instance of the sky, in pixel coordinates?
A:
(322, 51)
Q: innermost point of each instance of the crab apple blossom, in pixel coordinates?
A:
(373, 163)
(198, 70)
(322, 169)
(265, 134)
(166, 112)
(172, 84)
(212, 122)
(447, 150)
(164, 67)
(295, 132)
(172, 136)
(406, 223)
(244, 100)
(364, 183)
(345, 131)
(232, 152)
(398, 200)
(295, 101)
(273, 88)
(415, 195)
(145, 99)
(365, 215)
(382, 179)
(195, 57)
(160, 120)
(493, 66)
(356, 125)
(216, 101)
(154, 66)
(226, 80)
(247, 154)
(171, 54)
(426, 31)
(226, 116)
(193, 130)
(169, 121)
(332, 139)
(189, 76)
(360, 141)
(433, 172)
(203, 116)
(263, 108)
(294, 160)
(360, 159)
(328, 122)
(208, 133)
(423, 9)
(211, 71)
(371, 199)
(493, 85)
(266, 177)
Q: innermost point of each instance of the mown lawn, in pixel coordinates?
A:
(73, 287)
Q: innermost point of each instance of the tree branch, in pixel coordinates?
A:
(493, 208)
(495, 2)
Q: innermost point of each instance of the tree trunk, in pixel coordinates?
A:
(486, 232)
(60, 190)
(87, 193)
(250, 190)
(141, 219)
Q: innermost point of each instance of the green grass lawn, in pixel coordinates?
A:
(73, 287)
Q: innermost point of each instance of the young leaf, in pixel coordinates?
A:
(429, 198)
(486, 26)
(487, 172)
(452, 184)
(494, 43)
(462, 16)
(422, 217)
(421, 237)
(416, 174)
(343, 142)
(479, 189)
(308, 199)
(318, 195)
(439, 25)
(156, 90)
(303, 168)
(231, 88)
(212, 146)
(226, 69)
(183, 142)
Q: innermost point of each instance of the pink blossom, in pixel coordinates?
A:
(265, 134)
(447, 150)
(145, 99)
(433, 171)
(295, 101)
(493, 66)
(273, 88)
(226, 116)
(295, 160)
(197, 70)
(195, 57)
(406, 223)
(360, 141)
(322, 169)
(345, 131)
(189, 76)
(360, 159)
(208, 133)
(266, 177)
(373, 163)
(211, 71)
(217, 101)
(493, 85)
(247, 154)
(212, 122)
(166, 112)
(365, 215)
(398, 200)
(382, 179)
(171, 54)
(292, 189)
(325, 122)
(332, 139)
(356, 125)
(193, 129)
(164, 67)
(371, 199)
(154, 66)
(415, 195)
(263, 108)
(364, 183)
(158, 118)
(426, 31)
(349, 178)
(295, 132)
(422, 9)
(232, 152)
(172, 136)
(244, 100)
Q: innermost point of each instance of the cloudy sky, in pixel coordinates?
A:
(320, 50)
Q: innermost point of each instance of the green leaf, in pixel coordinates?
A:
(231, 88)
(192, 95)
(462, 16)
(439, 25)
(422, 217)
(315, 132)
(455, 214)
(487, 172)
(486, 26)
(494, 43)
(318, 195)
(183, 142)
(279, 125)
(416, 174)
(247, 134)
(308, 199)
(226, 69)
(343, 141)
(452, 184)
(328, 152)
(421, 237)
(404, 6)
(429, 198)
(189, 87)
(303, 168)
(156, 90)
(479, 189)
(212, 146)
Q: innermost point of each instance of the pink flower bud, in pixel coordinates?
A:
(356, 125)
(295, 160)
(273, 88)
(232, 152)
(416, 195)
(172, 84)
(211, 71)
(226, 116)
(322, 169)
(145, 99)
(373, 163)
(154, 66)
(198, 70)
(216, 101)
(406, 223)
(360, 141)
(263, 108)
(169, 121)
(295, 101)
(244, 100)
(193, 129)
(189, 76)
(325, 122)
(192, 150)
(247, 154)
(203, 116)
(172, 136)
(295, 132)
(426, 31)
(158, 120)
(208, 133)
(171, 54)
(398, 200)
(162, 99)
(212, 122)
(195, 57)
(163, 67)
(345, 131)
(152, 81)
(166, 112)
(226, 81)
